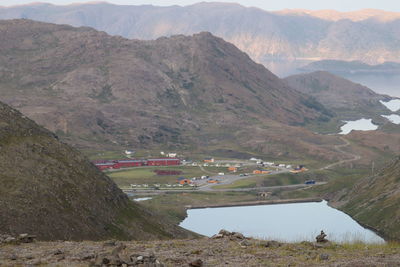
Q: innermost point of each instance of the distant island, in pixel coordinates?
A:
(351, 67)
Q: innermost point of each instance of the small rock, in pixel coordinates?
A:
(58, 252)
(25, 238)
(217, 236)
(238, 235)
(109, 243)
(324, 257)
(147, 260)
(321, 237)
(224, 232)
(86, 257)
(244, 243)
(102, 259)
(322, 245)
(272, 244)
(13, 257)
(196, 263)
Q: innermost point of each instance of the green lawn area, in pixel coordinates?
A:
(146, 175)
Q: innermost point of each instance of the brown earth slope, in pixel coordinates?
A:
(93, 89)
(50, 190)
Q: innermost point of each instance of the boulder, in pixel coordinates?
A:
(25, 238)
(196, 263)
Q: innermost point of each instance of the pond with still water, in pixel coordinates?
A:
(359, 125)
(286, 222)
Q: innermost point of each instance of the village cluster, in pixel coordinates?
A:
(253, 166)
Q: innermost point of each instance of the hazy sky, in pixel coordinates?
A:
(342, 5)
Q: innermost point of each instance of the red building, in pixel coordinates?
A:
(129, 163)
(163, 162)
(105, 165)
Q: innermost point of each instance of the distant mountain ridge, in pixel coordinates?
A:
(359, 15)
(352, 67)
(263, 35)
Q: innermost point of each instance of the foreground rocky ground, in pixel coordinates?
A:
(223, 250)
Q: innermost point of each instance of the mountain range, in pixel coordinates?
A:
(96, 90)
(370, 36)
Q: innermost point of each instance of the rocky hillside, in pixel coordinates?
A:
(50, 190)
(349, 100)
(375, 200)
(370, 36)
(93, 89)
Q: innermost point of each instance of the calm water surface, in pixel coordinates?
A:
(285, 222)
(381, 83)
(360, 125)
(393, 118)
(393, 105)
(142, 199)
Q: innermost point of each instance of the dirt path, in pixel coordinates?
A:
(340, 149)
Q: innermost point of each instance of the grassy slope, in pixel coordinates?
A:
(146, 175)
(375, 200)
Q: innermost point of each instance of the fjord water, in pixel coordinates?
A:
(285, 222)
(382, 83)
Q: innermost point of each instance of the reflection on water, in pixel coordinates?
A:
(286, 222)
(359, 125)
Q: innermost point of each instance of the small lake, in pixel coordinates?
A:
(393, 118)
(285, 222)
(142, 199)
(393, 105)
(360, 125)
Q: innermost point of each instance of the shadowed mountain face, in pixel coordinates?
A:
(349, 100)
(50, 190)
(94, 89)
(370, 36)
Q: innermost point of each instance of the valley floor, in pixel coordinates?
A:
(212, 252)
